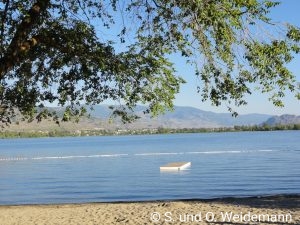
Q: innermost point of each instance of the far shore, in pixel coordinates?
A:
(9, 134)
(279, 209)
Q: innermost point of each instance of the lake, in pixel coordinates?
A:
(126, 168)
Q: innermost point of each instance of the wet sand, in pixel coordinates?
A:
(266, 210)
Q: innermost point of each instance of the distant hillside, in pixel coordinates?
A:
(181, 117)
(283, 120)
(185, 117)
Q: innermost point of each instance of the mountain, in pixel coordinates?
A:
(181, 117)
(184, 117)
(283, 120)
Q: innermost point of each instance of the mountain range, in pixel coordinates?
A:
(283, 120)
(181, 117)
(184, 117)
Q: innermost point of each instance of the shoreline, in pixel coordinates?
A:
(227, 199)
(276, 209)
(92, 133)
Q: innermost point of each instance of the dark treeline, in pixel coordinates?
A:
(264, 127)
(160, 130)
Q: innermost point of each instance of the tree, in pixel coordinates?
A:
(57, 51)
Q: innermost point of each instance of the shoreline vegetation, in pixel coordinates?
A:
(160, 130)
(278, 209)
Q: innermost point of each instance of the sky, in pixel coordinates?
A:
(287, 11)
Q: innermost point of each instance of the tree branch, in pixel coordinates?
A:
(157, 5)
(19, 43)
(3, 21)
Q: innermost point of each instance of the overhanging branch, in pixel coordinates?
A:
(3, 22)
(19, 43)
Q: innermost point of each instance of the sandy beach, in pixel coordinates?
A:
(266, 210)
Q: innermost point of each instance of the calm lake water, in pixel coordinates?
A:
(126, 168)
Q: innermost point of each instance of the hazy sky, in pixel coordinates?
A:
(288, 11)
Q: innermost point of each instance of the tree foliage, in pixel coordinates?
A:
(60, 51)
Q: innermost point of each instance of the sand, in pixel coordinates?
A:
(267, 210)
